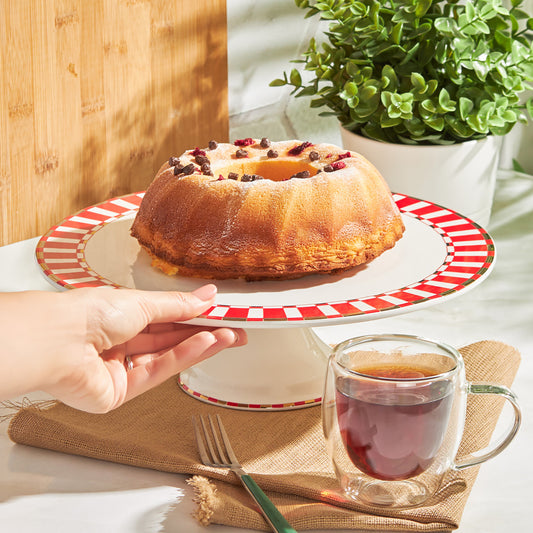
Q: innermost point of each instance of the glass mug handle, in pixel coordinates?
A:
(492, 450)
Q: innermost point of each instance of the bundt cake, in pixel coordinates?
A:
(263, 210)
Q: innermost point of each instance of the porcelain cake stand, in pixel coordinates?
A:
(441, 255)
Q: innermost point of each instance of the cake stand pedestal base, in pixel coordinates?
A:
(278, 369)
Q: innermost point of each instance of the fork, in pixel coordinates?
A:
(220, 455)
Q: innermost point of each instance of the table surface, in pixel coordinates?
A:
(45, 491)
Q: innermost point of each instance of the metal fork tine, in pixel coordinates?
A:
(200, 441)
(226, 440)
(220, 448)
(215, 458)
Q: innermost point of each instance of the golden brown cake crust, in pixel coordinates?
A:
(286, 225)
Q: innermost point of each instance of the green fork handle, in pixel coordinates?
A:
(269, 510)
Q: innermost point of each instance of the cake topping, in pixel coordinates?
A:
(196, 152)
(173, 161)
(240, 153)
(206, 169)
(178, 169)
(299, 148)
(337, 165)
(314, 156)
(187, 170)
(301, 175)
(251, 177)
(272, 154)
(213, 145)
(202, 159)
(265, 143)
(244, 142)
(220, 177)
(344, 156)
(233, 176)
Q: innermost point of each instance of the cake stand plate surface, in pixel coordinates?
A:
(441, 255)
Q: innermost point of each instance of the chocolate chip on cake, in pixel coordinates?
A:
(213, 145)
(173, 161)
(328, 168)
(265, 143)
(233, 176)
(201, 159)
(272, 154)
(302, 175)
(240, 153)
(178, 169)
(206, 169)
(251, 177)
(188, 169)
(314, 156)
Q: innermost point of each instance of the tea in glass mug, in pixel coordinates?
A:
(393, 413)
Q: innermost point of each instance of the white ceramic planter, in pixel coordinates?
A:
(458, 176)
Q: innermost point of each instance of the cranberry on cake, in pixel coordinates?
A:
(263, 210)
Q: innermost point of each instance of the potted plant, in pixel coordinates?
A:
(420, 76)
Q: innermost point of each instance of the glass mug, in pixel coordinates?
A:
(393, 414)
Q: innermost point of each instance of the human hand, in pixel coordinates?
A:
(74, 345)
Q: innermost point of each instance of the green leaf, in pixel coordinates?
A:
(386, 98)
(529, 107)
(517, 167)
(445, 102)
(419, 83)
(422, 7)
(441, 51)
(465, 107)
(428, 105)
(435, 123)
(295, 77)
(447, 26)
(432, 87)
(480, 26)
(350, 88)
(410, 54)
(396, 34)
(503, 40)
(278, 82)
(477, 124)
(391, 121)
(389, 74)
(470, 11)
(481, 69)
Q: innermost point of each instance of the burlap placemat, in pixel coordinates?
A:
(284, 451)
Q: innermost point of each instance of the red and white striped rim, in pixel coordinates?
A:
(470, 255)
(248, 406)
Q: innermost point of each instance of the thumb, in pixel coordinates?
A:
(174, 306)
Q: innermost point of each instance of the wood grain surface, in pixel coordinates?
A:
(96, 94)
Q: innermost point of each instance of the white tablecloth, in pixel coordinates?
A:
(44, 491)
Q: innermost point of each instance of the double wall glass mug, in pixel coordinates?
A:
(393, 414)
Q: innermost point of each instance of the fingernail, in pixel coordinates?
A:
(206, 292)
(236, 335)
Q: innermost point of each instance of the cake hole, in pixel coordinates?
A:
(274, 170)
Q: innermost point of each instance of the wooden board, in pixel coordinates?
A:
(96, 95)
